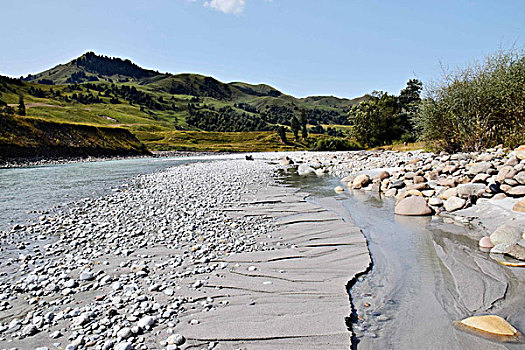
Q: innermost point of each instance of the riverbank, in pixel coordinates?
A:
(212, 257)
(473, 271)
(38, 161)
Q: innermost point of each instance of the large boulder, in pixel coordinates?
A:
(451, 192)
(413, 206)
(480, 167)
(517, 251)
(471, 189)
(304, 170)
(384, 175)
(485, 242)
(454, 203)
(506, 234)
(520, 206)
(520, 177)
(361, 181)
(516, 191)
(490, 326)
(506, 172)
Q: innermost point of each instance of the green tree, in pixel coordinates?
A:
(364, 119)
(477, 107)
(296, 127)
(410, 103)
(377, 121)
(281, 131)
(303, 122)
(21, 106)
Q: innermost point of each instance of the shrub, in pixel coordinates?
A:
(477, 107)
(334, 144)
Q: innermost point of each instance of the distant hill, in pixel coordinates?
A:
(91, 67)
(113, 92)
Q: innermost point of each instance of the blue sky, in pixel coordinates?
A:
(303, 47)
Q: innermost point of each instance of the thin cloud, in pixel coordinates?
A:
(227, 6)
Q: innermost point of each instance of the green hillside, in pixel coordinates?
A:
(111, 92)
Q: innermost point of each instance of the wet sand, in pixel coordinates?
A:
(292, 298)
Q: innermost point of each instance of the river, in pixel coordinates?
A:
(29, 192)
(427, 272)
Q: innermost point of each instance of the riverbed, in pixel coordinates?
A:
(427, 272)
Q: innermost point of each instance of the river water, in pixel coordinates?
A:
(427, 273)
(27, 193)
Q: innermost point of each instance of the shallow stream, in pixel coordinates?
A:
(427, 272)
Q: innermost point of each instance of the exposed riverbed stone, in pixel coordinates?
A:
(485, 242)
(454, 203)
(413, 206)
(520, 152)
(520, 206)
(490, 326)
(360, 181)
(506, 234)
(516, 251)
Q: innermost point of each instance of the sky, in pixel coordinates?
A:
(344, 48)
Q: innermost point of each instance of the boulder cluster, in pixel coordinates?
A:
(428, 183)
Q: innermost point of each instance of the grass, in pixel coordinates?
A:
(263, 141)
(403, 148)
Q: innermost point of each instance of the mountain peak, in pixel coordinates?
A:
(93, 67)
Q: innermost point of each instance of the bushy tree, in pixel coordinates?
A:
(296, 127)
(303, 122)
(377, 121)
(21, 106)
(281, 131)
(479, 106)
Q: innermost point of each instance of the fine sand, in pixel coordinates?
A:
(293, 298)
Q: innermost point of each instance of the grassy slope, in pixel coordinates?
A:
(33, 137)
(156, 129)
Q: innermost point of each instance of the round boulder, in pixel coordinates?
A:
(485, 242)
(413, 206)
(520, 152)
(490, 326)
(520, 206)
(506, 234)
(454, 203)
(361, 181)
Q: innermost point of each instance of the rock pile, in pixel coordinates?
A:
(427, 183)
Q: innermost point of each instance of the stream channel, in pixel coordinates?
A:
(427, 272)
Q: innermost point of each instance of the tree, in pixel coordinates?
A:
(364, 118)
(303, 122)
(477, 107)
(410, 103)
(296, 127)
(377, 121)
(21, 106)
(281, 131)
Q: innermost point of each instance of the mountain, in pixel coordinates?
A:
(91, 67)
(156, 107)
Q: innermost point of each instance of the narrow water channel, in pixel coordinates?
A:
(427, 272)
